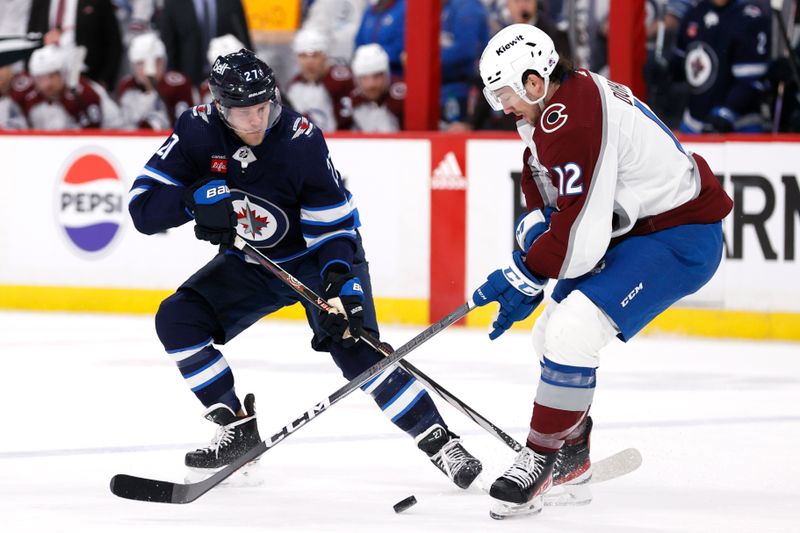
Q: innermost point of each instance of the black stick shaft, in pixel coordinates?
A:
(323, 305)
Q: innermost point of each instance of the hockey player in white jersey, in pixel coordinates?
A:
(620, 214)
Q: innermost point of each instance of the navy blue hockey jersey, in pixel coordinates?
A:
(288, 197)
(723, 52)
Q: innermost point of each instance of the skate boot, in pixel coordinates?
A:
(235, 436)
(573, 466)
(446, 452)
(519, 491)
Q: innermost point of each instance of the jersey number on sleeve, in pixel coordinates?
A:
(169, 145)
(569, 180)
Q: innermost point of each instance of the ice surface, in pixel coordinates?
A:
(89, 396)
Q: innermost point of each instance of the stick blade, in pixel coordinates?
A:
(142, 489)
(617, 465)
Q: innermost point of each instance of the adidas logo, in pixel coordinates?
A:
(448, 175)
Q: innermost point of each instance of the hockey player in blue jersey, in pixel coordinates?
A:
(722, 50)
(245, 165)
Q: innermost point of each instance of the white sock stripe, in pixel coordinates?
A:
(185, 354)
(207, 374)
(380, 379)
(403, 401)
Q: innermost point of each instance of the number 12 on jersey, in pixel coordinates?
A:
(569, 177)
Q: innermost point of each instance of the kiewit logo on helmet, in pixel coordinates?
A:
(505, 47)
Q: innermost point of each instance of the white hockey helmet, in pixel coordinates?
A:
(222, 46)
(47, 60)
(310, 40)
(370, 59)
(510, 53)
(146, 47)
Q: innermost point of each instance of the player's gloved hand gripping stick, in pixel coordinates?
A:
(211, 205)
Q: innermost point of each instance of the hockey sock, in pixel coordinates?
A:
(183, 323)
(404, 401)
(562, 402)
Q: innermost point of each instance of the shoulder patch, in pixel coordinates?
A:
(174, 78)
(752, 11)
(553, 117)
(22, 83)
(302, 126)
(398, 90)
(340, 73)
(202, 111)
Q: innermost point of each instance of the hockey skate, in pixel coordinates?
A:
(446, 452)
(573, 466)
(235, 436)
(520, 490)
(572, 471)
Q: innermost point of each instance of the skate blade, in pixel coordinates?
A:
(568, 495)
(501, 510)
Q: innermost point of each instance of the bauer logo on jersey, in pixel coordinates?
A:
(259, 221)
(90, 202)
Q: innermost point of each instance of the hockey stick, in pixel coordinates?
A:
(381, 348)
(151, 490)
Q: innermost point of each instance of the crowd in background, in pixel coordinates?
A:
(712, 65)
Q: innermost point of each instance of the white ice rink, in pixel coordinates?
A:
(88, 396)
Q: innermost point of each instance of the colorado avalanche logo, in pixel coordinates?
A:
(701, 67)
(260, 222)
(89, 202)
(553, 117)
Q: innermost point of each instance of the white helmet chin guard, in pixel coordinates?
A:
(512, 51)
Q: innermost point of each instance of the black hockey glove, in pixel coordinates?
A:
(343, 291)
(215, 220)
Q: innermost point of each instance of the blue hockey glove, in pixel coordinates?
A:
(343, 291)
(517, 291)
(531, 225)
(721, 119)
(210, 202)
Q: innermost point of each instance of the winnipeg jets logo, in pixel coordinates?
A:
(259, 221)
(701, 67)
(553, 117)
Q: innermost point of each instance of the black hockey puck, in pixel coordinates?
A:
(402, 505)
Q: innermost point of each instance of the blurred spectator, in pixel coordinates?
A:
(89, 23)
(378, 101)
(384, 24)
(722, 51)
(12, 94)
(463, 34)
(219, 46)
(340, 19)
(187, 27)
(152, 97)
(14, 15)
(507, 12)
(784, 75)
(320, 90)
(52, 105)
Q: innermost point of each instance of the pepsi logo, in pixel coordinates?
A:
(90, 204)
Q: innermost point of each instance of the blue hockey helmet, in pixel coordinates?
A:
(241, 79)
